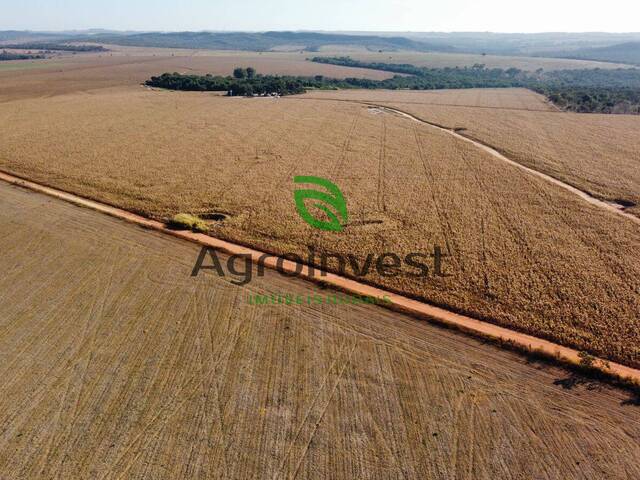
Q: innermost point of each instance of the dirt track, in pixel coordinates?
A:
(117, 364)
(595, 153)
(396, 302)
(609, 206)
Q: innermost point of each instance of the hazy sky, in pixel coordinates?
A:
(397, 15)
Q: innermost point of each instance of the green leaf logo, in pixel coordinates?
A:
(333, 198)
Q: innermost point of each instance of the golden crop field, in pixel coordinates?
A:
(523, 253)
(500, 98)
(596, 153)
(116, 363)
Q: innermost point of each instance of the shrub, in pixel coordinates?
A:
(185, 221)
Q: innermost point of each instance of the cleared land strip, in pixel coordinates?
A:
(397, 302)
(116, 363)
(609, 206)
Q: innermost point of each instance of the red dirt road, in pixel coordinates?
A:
(116, 363)
(397, 302)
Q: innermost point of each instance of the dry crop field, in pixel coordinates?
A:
(132, 66)
(523, 253)
(66, 73)
(596, 153)
(497, 98)
(117, 364)
(443, 60)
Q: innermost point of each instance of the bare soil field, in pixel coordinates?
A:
(442, 60)
(596, 153)
(522, 252)
(132, 66)
(116, 363)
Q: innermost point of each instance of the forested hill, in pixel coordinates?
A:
(621, 53)
(264, 41)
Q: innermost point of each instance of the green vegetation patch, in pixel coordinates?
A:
(58, 47)
(585, 91)
(245, 82)
(6, 56)
(185, 221)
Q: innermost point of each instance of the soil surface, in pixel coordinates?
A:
(116, 363)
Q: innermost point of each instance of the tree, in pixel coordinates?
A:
(239, 73)
(251, 72)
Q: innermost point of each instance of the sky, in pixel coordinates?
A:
(362, 15)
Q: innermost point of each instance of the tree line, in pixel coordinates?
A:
(5, 56)
(594, 90)
(593, 99)
(422, 78)
(585, 90)
(245, 82)
(55, 47)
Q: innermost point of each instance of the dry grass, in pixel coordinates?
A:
(523, 253)
(121, 365)
(599, 154)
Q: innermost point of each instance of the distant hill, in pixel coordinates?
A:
(264, 41)
(612, 47)
(24, 36)
(526, 44)
(628, 52)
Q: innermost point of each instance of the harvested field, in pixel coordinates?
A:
(66, 73)
(500, 98)
(443, 60)
(522, 252)
(122, 66)
(121, 365)
(596, 153)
